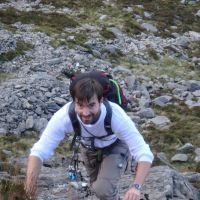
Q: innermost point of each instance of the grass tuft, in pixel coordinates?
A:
(12, 190)
(21, 47)
(79, 39)
(51, 22)
(16, 145)
(152, 53)
(86, 4)
(107, 34)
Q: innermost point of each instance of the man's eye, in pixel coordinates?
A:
(92, 105)
(80, 105)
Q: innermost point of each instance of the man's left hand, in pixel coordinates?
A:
(132, 194)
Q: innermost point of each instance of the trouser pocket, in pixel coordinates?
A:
(110, 172)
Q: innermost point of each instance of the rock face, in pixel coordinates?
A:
(162, 183)
(168, 184)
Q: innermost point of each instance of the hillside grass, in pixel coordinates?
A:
(164, 14)
(48, 23)
(184, 128)
(165, 66)
(18, 147)
(21, 48)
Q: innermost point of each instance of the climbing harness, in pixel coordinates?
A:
(74, 173)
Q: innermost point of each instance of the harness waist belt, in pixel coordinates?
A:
(93, 148)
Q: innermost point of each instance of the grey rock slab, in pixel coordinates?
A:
(40, 124)
(149, 27)
(160, 121)
(186, 148)
(146, 113)
(60, 101)
(29, 122)
(3, 131)
(179, 158)
(197, 151)
(162, 100)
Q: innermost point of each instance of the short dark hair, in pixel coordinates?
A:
(85, 89)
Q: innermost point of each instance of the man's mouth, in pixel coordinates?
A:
(86, 118)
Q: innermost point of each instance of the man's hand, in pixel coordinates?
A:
(142, 170)
(33, 169)
(30, 187)
(132, 194)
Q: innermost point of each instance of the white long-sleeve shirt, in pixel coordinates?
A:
(122, 126)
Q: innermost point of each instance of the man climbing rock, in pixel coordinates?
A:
(105, 155)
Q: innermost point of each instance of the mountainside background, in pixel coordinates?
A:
(152, 48)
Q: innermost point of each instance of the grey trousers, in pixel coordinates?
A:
(105, 168)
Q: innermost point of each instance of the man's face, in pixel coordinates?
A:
(88, 111)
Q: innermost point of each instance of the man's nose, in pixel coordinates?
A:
(86, 111)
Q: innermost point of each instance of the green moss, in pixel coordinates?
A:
(152, 53)
(74, 4)
(107, 34)
(132, 27)
(52, 22)
(167, 13)
(17, 145)
(4, 76)
(193, 49)
(79, 39)
(12, 190)
(184, 127)
(21, 47)
(13, 170)
(171, 67)
(3, 156)
(64, 148)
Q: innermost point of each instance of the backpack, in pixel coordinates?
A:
(111, 92)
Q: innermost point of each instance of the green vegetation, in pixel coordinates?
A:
(21, 47)
(12, 190)
(16, 145)
(77, 4)
(164, 66)
(132, 27)
(184, 128)
(52, 22)
(107, 34)
(64, 147)
(168, 13)
(90, 12)
(13, 170)
(152, 54)
(76, 39)
(193, 49)
(4, 76)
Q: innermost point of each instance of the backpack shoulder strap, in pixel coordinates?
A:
(107, 120)
(75, 124)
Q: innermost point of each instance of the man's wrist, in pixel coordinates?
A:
(137, 186)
